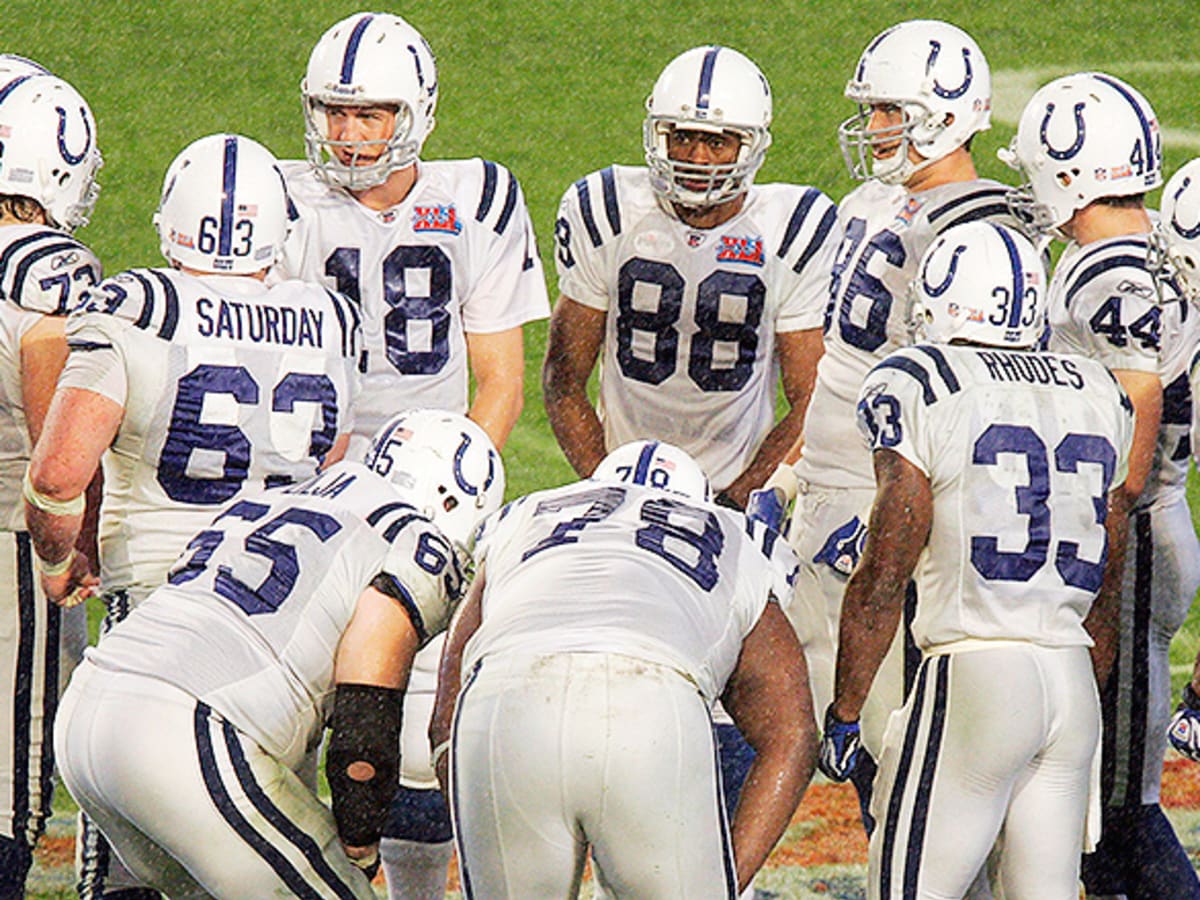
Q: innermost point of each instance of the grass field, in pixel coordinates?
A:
(554, 90)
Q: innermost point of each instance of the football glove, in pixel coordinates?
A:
(1184, 731)
(769, 506)
(839, 747)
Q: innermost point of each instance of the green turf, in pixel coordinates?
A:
(553, 89)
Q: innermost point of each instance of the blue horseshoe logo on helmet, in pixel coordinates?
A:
(1187, 233)
(72, 158)
(469, 489)
(936, 290)
(1080, 130)
(949, 93)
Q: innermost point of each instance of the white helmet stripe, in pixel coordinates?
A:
(356, 36)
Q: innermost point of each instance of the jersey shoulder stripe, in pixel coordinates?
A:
(1130, 253)
(814, 210)
(941, 364)
(145, 298)
(975, 204)
(497, 178)
(20, 257)
(905, 362)
(348, 322)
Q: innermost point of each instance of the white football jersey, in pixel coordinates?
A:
(42, 272)
(457, 256)
(603, 567)
(1103, 304)
(689, 349)
(886, 231)
(227, 385)
(252, 615)
(1021, 449)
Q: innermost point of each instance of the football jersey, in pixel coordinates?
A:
(886, 231)
(692, 314)
(457, 256)
(251, 617)
(1103, 304)
(1020, 449)
(226, 385)
(42, 272)
(604, 567)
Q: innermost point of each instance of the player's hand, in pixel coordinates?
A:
(769, 506)
(364, 858)
(839, 747)
(73, 586)
(1184, 730)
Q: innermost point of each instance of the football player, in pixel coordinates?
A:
(47, 190)
(441, 257)
(193, 382)
(296, 608)
(1090, 148)
(999, 471)
(605, 619)
(923, 90)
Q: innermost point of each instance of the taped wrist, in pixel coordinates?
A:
(363, 759)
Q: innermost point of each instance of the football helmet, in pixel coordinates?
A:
(369, 59)
(444, 464)
(50, 152)
(224, 207)
(1174, 255)
(13, 67)
(1080, 138)
(655, 464)
(980, 283)
(712, 89)
(937, 77)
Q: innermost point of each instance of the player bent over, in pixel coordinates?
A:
(1000, 474)
(299, 608)
(606, 618)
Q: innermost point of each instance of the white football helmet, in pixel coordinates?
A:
(224, 207)
(655, 464)
(980, 283)
(446, 466)
(937, 76)
(13, 67)
(369, 59)
(49, 150)
(1080, 138)
(1174, 255)
(713, 89)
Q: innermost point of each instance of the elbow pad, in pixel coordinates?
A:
(362, 762)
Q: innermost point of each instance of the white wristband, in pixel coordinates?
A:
(438, 752)
(784, 477)
(53, 570)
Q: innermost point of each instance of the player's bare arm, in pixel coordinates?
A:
(799, 352)
(1103, 620)
(465, 623)
(572, 346)
(769, 699)
(900, 520)
(497, 363)
(1145, 392)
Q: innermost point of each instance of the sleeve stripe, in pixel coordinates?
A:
(609, 182)
(914, 369)
(510, 203)
(943, 367)
(796, 221)
(88, 345)
(975, 214)
(402, 522)
(26, 263)
(143, 319)
(347, 350)
(973, 197)
(818, 239)
(170, 320)
(405, 599)
(585, 209)
(1099, 268)
(17, 246)
(489, 190)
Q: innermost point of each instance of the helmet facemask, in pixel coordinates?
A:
(712, 183)
(399, 151)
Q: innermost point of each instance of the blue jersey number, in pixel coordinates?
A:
(1032, 501)
(188, 434)
(865, 298)
(659, 325)
(416, 288)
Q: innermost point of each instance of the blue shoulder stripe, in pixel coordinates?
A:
(489, 190)
(608, 182)
(818, 239)
(915, 370)
(990, 211)
(796, 221)
(510, 203)
(1097, 269)
(943, 367)
(143, 319)
(170, 321)
(26, 263)
(389, 533)
(585, 209)
(974, 196)
(376, 515)
(17, 246)
(346, 329)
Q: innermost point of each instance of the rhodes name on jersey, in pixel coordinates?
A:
(886, 230)
(1021, 450)
(689, 352)
(457, 255)
(226, 384)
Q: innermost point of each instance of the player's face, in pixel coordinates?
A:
(702, 148)
(373, 125)
(885, 116)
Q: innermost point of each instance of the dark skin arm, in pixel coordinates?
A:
(874, 600)
(572, 347)
(465, 623)
(1104, 618)
(769, 699)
